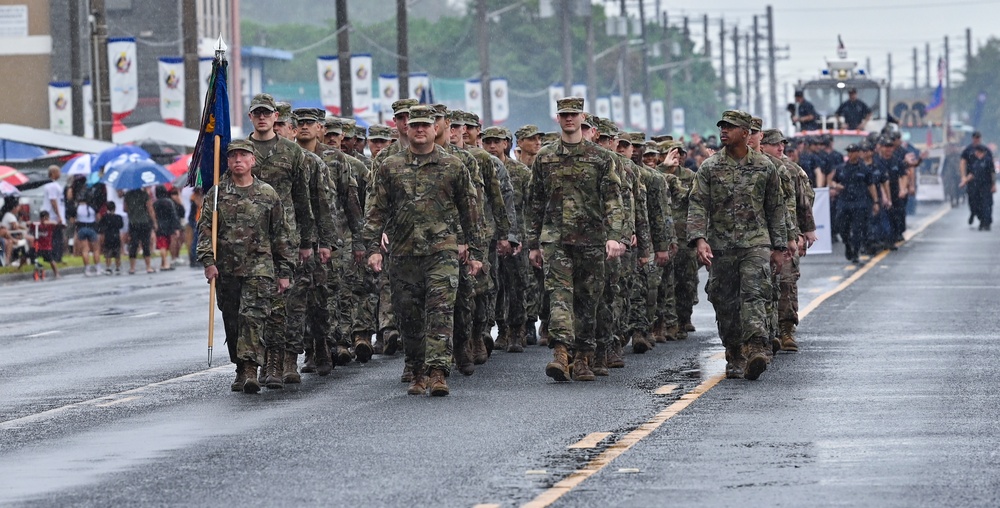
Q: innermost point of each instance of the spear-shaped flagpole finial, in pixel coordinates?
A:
(220, 48)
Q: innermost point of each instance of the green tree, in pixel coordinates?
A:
(981, 78)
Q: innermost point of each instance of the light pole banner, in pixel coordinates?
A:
(657, 120)
(474, 96)
(556, 92)
(637, 111)
(388, 87)
(88, 110)
(603, 107)
(821, 214)
(329, 83)
(420, 84)
(677, 115)
(204, 75)
(123, 78)
(172, 90)
(361, 83)
(618, 110)
(580, 90)
(61, 107)
(499, 100)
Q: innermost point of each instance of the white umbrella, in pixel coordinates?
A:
(8, 189)
(79, 166)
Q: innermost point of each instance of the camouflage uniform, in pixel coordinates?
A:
(253, 249)
(737, 207)
(426, 204)
(792, 233)
(685, 262)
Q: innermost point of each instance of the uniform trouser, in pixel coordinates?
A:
(465, 307)
(854, 220)
(276, 329)
(981, 203)
(386, 318)
(319, 320)
(666, 296)
(510, 307)
(685, 265)
(739, 287)
(574, 282)
(897, 218)
(296, 303)
(245, 303)
(533, 280)
(366, 317)
(541, 296)
(609, 315)
(641, 281)
(423, 295)
(348, 297)
(788, 282)
(486, 293)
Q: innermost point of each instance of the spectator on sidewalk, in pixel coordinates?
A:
(168, 225)
(110, 227)
(86, 235)
(45, 234)
(141, 222)
(55, 205)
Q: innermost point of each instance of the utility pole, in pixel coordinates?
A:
(772, 73)
(567, 47)
(402, 50)
(968, 47)
(889, 63)
(927, 64)
(192, 88)
(758, 103)
(746, 70)
(947, 89)
(916, 68)
(722, 60)
(626, 90)
(736, 66)
(645, 64)
(484, 61)
(76, 74)
(102, 89)
(344, 59)
(668, 103)
(685, 42)
(708, 43)
(591, 65)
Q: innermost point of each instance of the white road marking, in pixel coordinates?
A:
(144, 315)
(43, 334)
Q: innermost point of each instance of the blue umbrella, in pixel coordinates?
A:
(136, 175)
(14, 151)
(114, 152)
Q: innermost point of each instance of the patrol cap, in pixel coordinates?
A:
(240, 144)
(508, 135)
(348, 126)
(853, 147)
(394, 132)
(307, 114)
(440, 110)
(637, 138)
(421, 114)
(651, 147)
(569, 105)
(403, 106)
(885, 141)
(735, 117)
(379, 131)
(263, 101)
(284, 112)
(472, 120)
(589, 121)
(756, 124)
(550, 137)
(333, 125)
(494, 133)
(662, 137)
(360, 132)
(527, 131)
(773, 137)
(606, 127)
(455, 117)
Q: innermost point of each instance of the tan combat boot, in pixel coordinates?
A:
(581, 366)
(290, 371)
(342, 355)
(250, 374)
(309, 367)
(757, 361)
(736, 362)
(241, 377)
(788, 337)
(478, 347)
(418, 385)
(515, 339)
(272, 378)
(363, 350)
(323, 362)
(407, 374)
(503, 337)
(670, 333)
(463, 358)
(558, 368)
(600, 366)
(543, 333)
(438, 386)
(658, 332)
(615, 359)
(391, 342)
(639, 343)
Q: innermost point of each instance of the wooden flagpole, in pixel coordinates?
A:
(215, 242)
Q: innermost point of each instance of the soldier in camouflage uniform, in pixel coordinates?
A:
(379, 138)
(773, 144)
(736, 220)
(660, 303)
(423, 200)
(529, 140)
(685, 265)
(253, 251)
(281, 164)
(576, 224)
(285, 125)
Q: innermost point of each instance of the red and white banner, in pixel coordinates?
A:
(123, 78)
(172, 90)
(499, 100)
(61, 107)
(657, 116)
(328, 68)
(361, 83)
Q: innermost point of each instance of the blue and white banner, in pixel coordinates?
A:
(172, 90)
(329, 83)
(61, 107)
(474, 97)
(362, 78)
(602, 107)
(123, 78)
(499, 100)
(821, 214)
(388, 87)
(637, 112)
(618, 110)
(657, 117)
(420, 85)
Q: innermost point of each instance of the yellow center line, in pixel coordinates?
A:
(665, 390)
(629, 440)
(590, 441)
(118, 401)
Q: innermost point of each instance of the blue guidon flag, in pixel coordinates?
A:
(214, 121)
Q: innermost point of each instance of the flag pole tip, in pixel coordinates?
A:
(220, 45)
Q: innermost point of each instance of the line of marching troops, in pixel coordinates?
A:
(442, 234)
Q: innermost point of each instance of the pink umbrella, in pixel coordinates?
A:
(180, 166)
(12, 176)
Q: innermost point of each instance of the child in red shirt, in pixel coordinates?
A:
(44, 230)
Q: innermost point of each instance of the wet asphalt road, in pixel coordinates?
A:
(105, 400)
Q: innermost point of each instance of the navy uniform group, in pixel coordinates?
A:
(588, 241)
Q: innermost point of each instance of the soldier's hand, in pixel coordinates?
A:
(283, 285)
(385, 242)
(536, 258)
(475, 267)
(672, 251)
(791, 248)
(463, 253)
(777, 260)
(324, 254)
(811, 238)
(614, 249)
(704, 253)
(359, 257)
(503, 248)
(633, 241)
(375, 262)
(305, 254)
(643, 262)
(661, 258)
(517, 250)
(211, 272)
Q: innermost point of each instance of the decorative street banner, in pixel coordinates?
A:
(88, 110)
(329, 83)
(637, 111)
(61, 107)
(420, 85)
(657, 120)
(499, 101)
(204, 76)
(556, 92)
(821, 214)
(677, 115)
(618, 110)
(474, 96)
(172, 90)
(123, 78)
(580, 90)
(361, 83)
(388, 86)
(603, 107)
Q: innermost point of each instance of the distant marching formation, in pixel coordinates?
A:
(441, 234)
